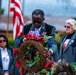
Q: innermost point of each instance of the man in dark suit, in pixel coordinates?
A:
(39, 25)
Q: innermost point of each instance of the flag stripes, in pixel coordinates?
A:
(18, 23)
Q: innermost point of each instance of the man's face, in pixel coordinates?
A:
(37, 20)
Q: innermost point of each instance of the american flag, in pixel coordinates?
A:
(18, 23)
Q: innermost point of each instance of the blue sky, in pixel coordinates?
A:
(52, 2)
(46, 5)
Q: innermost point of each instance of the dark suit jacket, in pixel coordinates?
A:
(11, 63)
(45, 28)
(69, 53)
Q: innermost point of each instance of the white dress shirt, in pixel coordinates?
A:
(66, 41)
(5, 59)
(38, 29)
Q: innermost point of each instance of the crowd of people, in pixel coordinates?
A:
(38, 27)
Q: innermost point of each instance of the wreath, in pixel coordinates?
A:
(38, 48)
(63, 68)
(33, 47)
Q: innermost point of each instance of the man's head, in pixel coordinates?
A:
(37, 17)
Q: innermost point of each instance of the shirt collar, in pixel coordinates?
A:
(33, 28)
(4, 49)
(38, 28)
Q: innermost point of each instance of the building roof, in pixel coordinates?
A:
(5, 22)
(57, 21)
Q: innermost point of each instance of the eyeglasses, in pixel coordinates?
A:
(67, 26)
(2, 41)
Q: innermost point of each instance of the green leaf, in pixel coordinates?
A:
(46, 38)
(37, 57)
(31, 64)
(29, 47)
(73, 64)
(48, 73)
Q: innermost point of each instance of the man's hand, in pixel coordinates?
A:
(47, 54)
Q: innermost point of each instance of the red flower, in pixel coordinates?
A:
(49, 64)
(17, 63)
(30, 36)
(15, 51)
(21, 71)
(21, 33)
(26, 57)
(39, 38)
(33, 37)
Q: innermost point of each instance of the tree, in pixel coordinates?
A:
(1, 11)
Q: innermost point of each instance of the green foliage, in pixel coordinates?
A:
(58, 38)
(45, 71)
(73, 64)
(45, 38)
(37, 57)
(2, 11)
(11, 41)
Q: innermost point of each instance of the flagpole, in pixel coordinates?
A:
(23, 3)
(0, 8)
(8, 19)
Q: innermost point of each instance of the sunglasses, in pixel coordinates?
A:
(67, 26)
(36, 22)
(2, 41)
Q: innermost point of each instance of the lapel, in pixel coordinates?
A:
(63, 42)
(0, 59)
(9, 53)
(32, 27)
(43, 29)
(70, 42)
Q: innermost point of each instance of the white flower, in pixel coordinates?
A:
(24, 39)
